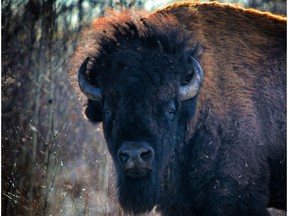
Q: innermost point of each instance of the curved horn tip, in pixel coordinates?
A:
(199, 69)
(91, 91)
(191, 89)
(84, 65)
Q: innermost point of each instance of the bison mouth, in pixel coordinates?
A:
(137, 173)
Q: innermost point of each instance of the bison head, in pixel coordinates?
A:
(140, 85)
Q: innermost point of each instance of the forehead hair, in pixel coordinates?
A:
(126, 30)
(138, 32)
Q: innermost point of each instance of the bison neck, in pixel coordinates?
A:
(191, 168)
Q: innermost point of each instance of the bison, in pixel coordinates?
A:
(192, 99)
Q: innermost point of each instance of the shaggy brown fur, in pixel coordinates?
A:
(229, 157)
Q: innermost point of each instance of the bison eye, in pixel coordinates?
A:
(106, 113)
(171, 110)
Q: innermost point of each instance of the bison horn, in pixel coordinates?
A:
(190, 89)
(91, 91)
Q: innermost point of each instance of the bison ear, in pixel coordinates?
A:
(94, 111)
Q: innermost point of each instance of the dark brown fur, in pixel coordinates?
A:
(237, 134)
(244, 61)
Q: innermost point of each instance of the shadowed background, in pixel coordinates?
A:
(54, 162)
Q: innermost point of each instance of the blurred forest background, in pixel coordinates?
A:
(54, 162)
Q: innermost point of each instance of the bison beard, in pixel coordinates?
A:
(137, 195)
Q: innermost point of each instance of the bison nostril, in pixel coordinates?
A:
(123, 157)
(135, 156)
(146, 155)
